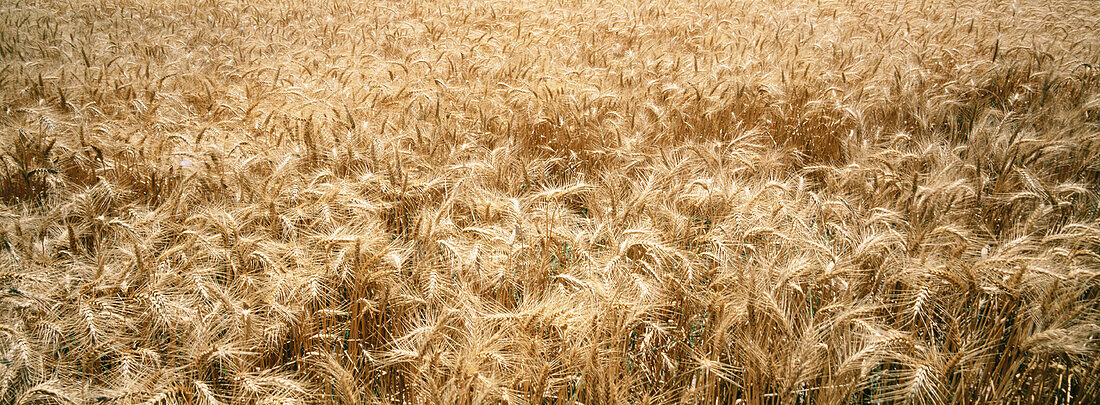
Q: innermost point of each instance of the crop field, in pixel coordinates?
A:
(549, 202)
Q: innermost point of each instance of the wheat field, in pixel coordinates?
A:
(549, 202)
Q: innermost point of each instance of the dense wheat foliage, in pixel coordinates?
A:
(527, 202)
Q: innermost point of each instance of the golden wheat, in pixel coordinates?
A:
(828, 202)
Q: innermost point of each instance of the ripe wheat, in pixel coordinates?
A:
(795, 202)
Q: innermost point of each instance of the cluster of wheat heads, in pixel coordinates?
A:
(527, 202)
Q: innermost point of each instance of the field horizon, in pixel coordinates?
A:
(549, 202)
